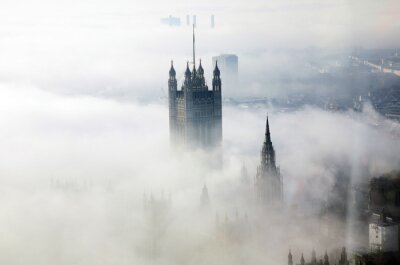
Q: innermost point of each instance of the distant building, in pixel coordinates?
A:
(156, 218)
(195, 112)
(268, 181)
(171, 21)
(244, 178)
(187, 20)
(384, 193)
(228, 63)
(236, 229)
(204, 199)
(212, 21)
(383, 234)
(322, 261)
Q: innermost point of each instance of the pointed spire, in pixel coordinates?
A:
(204, 199)
(216, 69)
(172, 70)
(290, 258)
(313, 257)
(302, 259)
(200, 70)
(187, 72)
(267, 132)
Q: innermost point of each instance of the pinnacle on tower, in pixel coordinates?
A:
(187, 72)
(267, 132)
(290, 258)
(205, 199)
(326, 258)
(313, 257)
(172, 70)
(200, 69)
(216, 69)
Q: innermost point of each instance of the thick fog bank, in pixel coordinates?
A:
(75, 173)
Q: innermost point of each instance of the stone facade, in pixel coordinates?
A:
(195, 112)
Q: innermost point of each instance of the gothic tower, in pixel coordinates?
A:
(195, 112)
(290, 258)
(313, 258)
(172, 93)
(268, 181)
(204, 199)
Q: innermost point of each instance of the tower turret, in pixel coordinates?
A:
(205, 199)
(200, 70)
(172, 93)
(343, 257)
(313, 258)
(200, 76)
(188, 74)
(290, 258)
(326, 258)
(216, 82)
(172, 72)
(172, 83)
(243, 174)
(302, 262)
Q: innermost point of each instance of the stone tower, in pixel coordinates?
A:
(204, 199)
(268, 181)
(195, 112)
(290, 258)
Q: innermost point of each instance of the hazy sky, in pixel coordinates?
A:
(66, 65)
(120, 49)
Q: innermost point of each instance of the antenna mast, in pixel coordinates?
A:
(194, 53)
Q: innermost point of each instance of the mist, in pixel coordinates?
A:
(74, 171)
(87, 171)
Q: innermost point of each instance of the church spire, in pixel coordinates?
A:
(268, 152)
(267, 132)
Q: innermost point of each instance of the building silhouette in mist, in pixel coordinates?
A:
(195, 112)
(204, 199)
(268, 180)
(157, 213)
(228, 63)
(322, 261)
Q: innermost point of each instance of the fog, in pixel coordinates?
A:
(74, 171)
(85, 140)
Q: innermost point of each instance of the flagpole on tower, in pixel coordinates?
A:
(194, 53)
